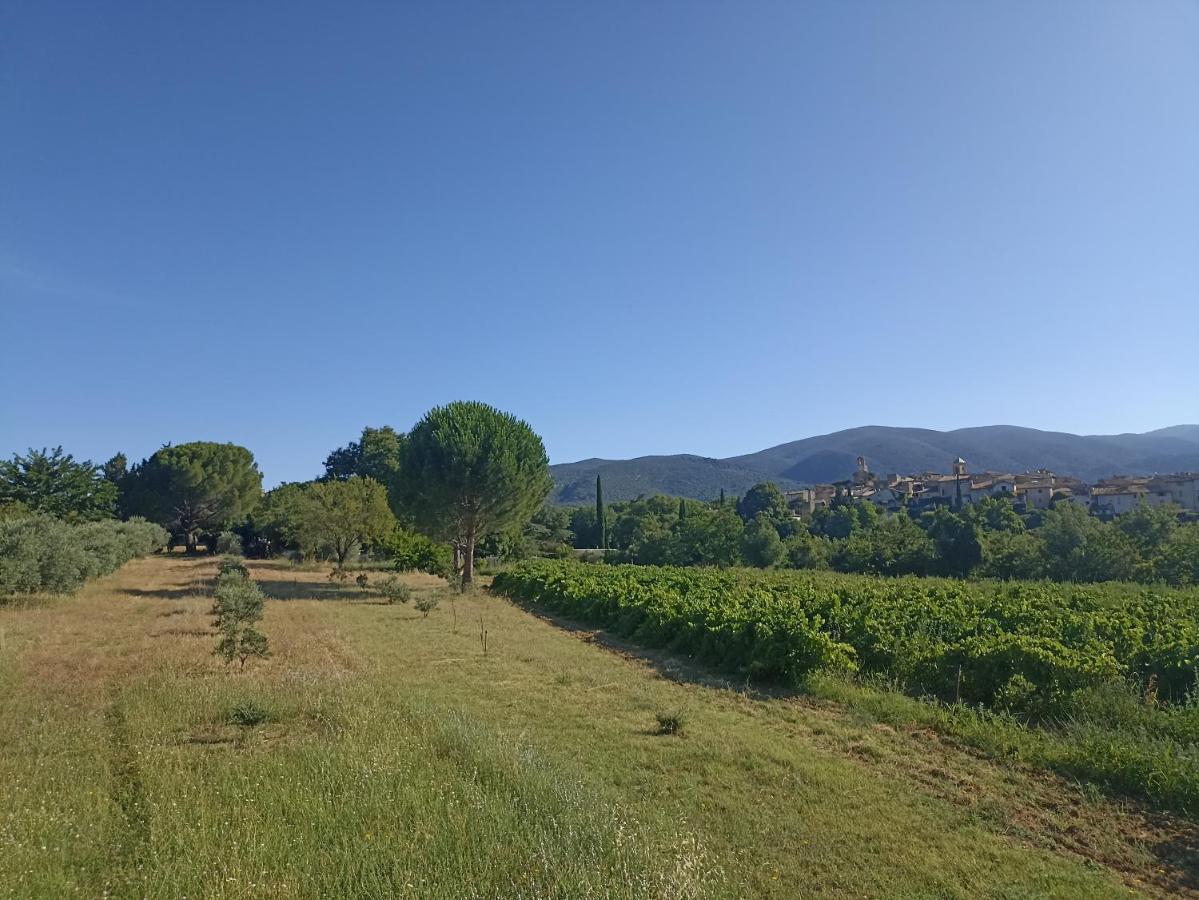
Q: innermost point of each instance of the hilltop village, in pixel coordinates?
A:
(1029, 490)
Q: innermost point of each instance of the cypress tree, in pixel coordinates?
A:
(722, 498)
(682, 510)
(601, 523)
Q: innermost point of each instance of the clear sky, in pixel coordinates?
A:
(643, 227)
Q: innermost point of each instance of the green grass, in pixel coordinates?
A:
(1043, 674)
(380, 753)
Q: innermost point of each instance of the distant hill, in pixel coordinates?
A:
(831, 457)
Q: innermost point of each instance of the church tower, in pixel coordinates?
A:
(861, 475)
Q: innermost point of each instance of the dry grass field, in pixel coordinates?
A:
(380, 753)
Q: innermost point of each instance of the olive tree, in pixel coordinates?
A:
(343, 515)
(193, 489)
(469, 471)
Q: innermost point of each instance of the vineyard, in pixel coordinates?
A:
(1027, 653)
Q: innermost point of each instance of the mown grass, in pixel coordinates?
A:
(380, 753)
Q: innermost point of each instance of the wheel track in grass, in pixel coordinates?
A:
(131, 840)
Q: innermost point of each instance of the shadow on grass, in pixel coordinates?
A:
(314, 590)
(197, 590)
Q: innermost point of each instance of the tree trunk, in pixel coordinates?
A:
(468, 560)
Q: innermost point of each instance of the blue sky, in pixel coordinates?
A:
(643, 227)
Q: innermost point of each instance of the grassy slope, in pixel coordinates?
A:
(401, 761)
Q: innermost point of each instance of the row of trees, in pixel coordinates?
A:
(989, 539)
(467, 474)
(470, 479)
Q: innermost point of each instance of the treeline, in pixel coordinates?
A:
(988, 539)
(466, 477)
(469, 480)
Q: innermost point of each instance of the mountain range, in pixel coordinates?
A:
(833, 457)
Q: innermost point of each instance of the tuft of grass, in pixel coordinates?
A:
(671, 722)
(248, 713)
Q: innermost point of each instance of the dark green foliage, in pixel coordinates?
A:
(248, 713)
(988, 539)
(763, 500)
(894, 545)
(761, 545)
(956, 540)
(584, 527)
(116, 468)
(228, 542)
(1013, 554)
(413, 552)
(43, 554)
(994, 514)
(470, 471)
(52, 482)
(1079, 547)
(196, 488)
(710, 536)
(601, 516)
(807, 551)
(376, 455)
(237, 607)
(276, 522)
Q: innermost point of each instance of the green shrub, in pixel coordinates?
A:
(249, 713)
(237, 606)
(394, 590)
(228, 543)
(232, 565)
(413, 552)
(42, 554)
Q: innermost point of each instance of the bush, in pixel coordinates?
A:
(228, 543)
(237, 606)
(231, 565)
(42, 554)
(394, 590)
(426, 604)
(249, 713)
(414, 552)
